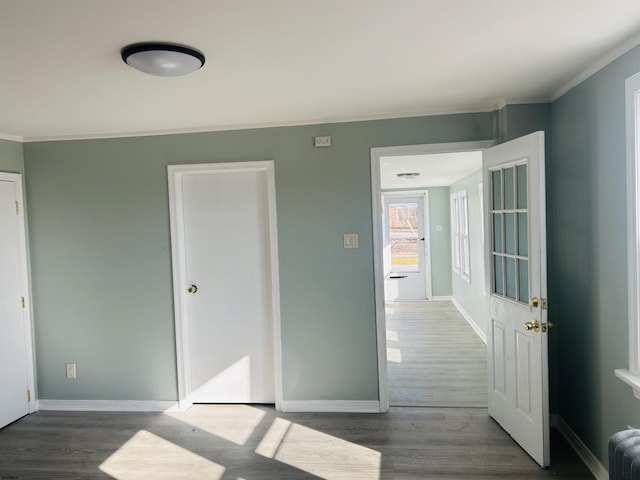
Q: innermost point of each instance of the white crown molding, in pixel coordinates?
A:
(617, 52)
(222, 128)
(12, 138)
(108, 405)
(332, 406)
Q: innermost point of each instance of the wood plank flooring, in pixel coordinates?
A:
(240, 442)
(434, 357)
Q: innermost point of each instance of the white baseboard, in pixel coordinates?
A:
(481, 333)
(107, 405)
(333, 406)
(442, 298)
(589, 459)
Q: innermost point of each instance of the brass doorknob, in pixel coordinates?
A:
(192, 289)
(535, 326)
(534, 302)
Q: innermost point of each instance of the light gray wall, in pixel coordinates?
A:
(11, 156)
(99, 224)
(470, 295)
(588, 302)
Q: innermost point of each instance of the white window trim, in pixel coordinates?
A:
(460, 253)
(631, 376)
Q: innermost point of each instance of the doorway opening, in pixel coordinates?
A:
(433, 343)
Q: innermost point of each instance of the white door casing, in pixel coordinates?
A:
(16, 350)
(515, 273)
(224, 242)
(376, 155)
(411, 280)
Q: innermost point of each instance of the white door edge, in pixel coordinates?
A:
(378, 263)
(178, 263)
(427, 231)
(18, 180)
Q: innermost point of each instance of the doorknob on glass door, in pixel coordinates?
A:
(192, 289)
(535, 326)
(534, 302)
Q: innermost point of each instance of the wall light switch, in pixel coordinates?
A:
(71, 370)
(350, 240)
(438, 228)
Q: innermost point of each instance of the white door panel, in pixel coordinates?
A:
(227, 264)
(14, 378)
(515, 238)
(406, 247)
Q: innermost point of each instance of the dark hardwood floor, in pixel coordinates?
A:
(257, 443)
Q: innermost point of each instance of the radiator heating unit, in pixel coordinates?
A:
(624, 455)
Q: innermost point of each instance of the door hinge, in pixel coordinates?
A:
(28, 395)
(17, 208)
(543, 303)
(22, 301)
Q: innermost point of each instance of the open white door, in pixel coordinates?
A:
(515, 239)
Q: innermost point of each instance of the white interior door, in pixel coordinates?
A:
(405, 243)
(515, 237)
(224, 284)
(15, 334)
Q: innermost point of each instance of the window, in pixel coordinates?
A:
(460, 235)
(632, 103)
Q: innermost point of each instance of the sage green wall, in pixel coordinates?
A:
(440, 251)
(11, 156)
(589, 266)
(470, 295)
(99, 223)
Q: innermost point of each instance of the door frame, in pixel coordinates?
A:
(426, 227)
(378, 262)
(178, 262)
(18, 181)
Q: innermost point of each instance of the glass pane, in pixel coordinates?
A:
(510, 233)
(522, 186)
(509, 189)
(498, 275)
(497, 232)
(523, 281)
(510, 279)
(496, 188)
(523, 235)
(403, 236)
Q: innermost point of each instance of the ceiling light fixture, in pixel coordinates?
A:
(162, 59)
(408, 175)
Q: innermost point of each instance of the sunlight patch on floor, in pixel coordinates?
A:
(235, 423)
(392, 336)
(146, 456)
(319, 454)
(394, 355)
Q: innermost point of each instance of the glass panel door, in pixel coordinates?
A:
(510, 233)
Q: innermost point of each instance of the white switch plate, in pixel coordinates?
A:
(438, 228)
(71, 370)
(322, 141)
(350, 240)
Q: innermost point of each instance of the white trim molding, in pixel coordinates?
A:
(476, 328)
(178, 260)
(331, 406)
(378, 259)
(631, 375)
(589, 459)
(108, 405)
(442, 298)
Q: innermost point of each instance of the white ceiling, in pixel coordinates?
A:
(280, 62)
(435, 170)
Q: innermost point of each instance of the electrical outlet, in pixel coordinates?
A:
(322, 141)
(350, 240)
(71, 370)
